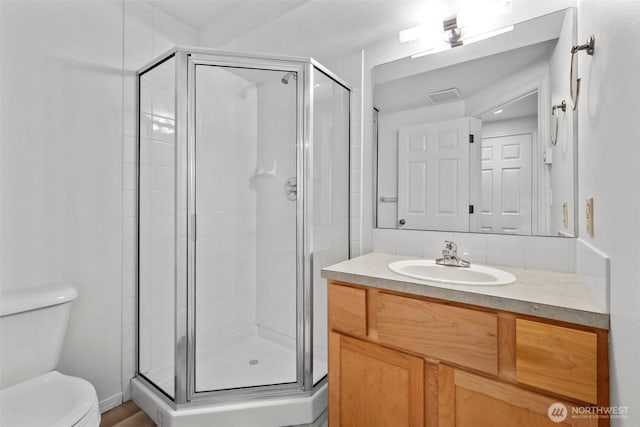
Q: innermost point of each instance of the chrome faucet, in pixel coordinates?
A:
(450, 256)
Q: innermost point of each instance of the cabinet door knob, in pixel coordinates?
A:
(402, 222)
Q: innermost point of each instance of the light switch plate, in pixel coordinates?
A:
(590, 229)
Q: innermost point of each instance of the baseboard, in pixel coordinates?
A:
(110, 402)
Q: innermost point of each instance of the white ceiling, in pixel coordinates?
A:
(297, 26)
(198, 12)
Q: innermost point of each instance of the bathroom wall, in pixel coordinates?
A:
(60, 182)
(608, 149)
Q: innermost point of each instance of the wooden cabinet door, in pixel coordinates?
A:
(468, 400)
(373, 386)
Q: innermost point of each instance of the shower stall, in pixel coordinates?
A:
(243, 197)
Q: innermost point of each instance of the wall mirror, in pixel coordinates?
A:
(475, 138)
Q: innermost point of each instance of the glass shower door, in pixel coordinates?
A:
(246, 208)
(330, 221)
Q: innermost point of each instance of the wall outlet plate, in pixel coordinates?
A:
(589, 211)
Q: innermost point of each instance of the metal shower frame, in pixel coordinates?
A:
(186, 61)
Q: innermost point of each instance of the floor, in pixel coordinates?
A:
(126, 415)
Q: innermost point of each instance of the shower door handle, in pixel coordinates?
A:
(291, 188)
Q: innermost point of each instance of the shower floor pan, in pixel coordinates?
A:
(253, 358)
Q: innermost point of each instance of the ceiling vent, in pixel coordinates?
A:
(444, 96)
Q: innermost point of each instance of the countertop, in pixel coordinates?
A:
(546, 294)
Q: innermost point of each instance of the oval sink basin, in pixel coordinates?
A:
(476, 275)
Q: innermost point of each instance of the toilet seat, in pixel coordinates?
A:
(52, 400)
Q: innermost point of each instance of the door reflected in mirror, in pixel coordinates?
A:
(463, 138)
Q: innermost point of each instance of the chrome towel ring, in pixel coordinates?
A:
(589, 47)
(562, 106)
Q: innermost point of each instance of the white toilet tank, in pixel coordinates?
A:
(32, 326)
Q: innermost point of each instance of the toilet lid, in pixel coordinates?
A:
(52, 400)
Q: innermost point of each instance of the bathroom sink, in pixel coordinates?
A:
(476, 275)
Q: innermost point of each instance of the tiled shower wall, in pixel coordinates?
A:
(275, 250)
(148, 32)
(226, 151)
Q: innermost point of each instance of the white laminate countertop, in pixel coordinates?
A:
(547, 294)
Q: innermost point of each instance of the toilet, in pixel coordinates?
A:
(32, 394)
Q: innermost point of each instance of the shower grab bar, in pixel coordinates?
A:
(589, 47)
(562, 106)
(387, 199)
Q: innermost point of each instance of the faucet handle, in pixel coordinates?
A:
(450, 245)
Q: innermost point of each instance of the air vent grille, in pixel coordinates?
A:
(444, 95)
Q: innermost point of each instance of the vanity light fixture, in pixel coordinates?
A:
(468, 26)
(460, 37)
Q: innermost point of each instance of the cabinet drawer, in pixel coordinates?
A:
(458, 335)
(347, 309)
(557, 359)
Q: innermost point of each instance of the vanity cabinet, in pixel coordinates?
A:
(399, 359)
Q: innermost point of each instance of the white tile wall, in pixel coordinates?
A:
(385, 240)
(276, 215)
(594, 268)
(411, 243)
(556, 254)
(548, 253)
(472, 247)
(226, 162)
(506, 250)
